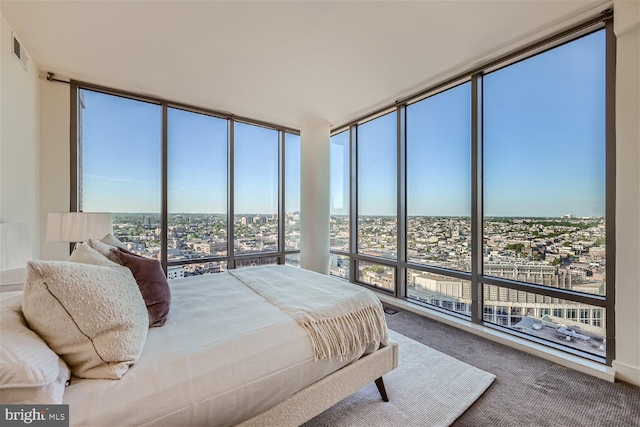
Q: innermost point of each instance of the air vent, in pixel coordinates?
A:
(19, 52)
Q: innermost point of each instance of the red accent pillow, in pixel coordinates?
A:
(152, 283)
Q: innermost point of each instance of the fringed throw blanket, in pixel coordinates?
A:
(340, 319)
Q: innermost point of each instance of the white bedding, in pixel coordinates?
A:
(224, 355)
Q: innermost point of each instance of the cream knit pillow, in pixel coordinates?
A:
(110, 240)
(85, 254)
(104, 249)
(93, 316)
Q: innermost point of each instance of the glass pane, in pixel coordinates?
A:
(439, 180)
(256, 189)
(292, 260)
(292, 192)
(120, 166)
(380, 276)
(339, 266)
(442, 291)
(339, 174)
(254, 262)
(377, 178)
(576, 325)
(544, 168)
(197, 186)
(187, 270)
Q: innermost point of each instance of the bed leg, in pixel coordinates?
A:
(381, 389)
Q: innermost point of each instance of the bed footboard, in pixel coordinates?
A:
(319, 396)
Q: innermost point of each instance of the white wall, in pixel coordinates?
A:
(314, 195)
(55, 165)
(19, 111)
(626, 27)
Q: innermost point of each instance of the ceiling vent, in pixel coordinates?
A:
(19, 52)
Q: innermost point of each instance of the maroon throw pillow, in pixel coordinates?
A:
(152, 283)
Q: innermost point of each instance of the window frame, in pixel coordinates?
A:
(476, 276)
(231, 258)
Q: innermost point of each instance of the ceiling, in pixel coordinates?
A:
(282, 62)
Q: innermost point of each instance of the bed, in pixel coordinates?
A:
(226, 356)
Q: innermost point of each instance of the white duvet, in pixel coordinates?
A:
(224, 356)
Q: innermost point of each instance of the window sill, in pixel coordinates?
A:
(577, 363)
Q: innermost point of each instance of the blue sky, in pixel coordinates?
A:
(122, 161)
(197, 169)
(339, 175)
(543, 150)
(544, 133)
(121, 154)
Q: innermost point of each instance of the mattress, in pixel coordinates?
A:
(224, 356)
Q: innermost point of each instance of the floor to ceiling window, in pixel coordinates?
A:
(339, 204)
(439, 180)
(136, 156)
(376, 181)
(544, 183)
(197, 191)
(256, 189)
(292, 198)
(490, 198)
(119, 166)
(339, 192)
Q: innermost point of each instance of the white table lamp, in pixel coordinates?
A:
(78, 226)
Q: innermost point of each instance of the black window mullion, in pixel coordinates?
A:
(353, 201)
(401, 214)
(476, 199)
(281, 194)
(164, 213)
(610, 180)
(230, 196)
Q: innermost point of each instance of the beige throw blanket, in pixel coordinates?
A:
(339, 318)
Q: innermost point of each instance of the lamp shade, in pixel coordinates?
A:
(77, 226)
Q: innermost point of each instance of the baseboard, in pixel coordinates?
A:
(627, 373)
(580, 364)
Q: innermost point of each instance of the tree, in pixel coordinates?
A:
(600, 241)
(518, 247)
(378, 269)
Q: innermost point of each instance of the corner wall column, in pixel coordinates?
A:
(627, 224)
(314, 195)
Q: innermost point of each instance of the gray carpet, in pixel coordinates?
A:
(527, 391)
(428, 388)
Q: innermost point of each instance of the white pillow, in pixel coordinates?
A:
(30, 373)
(85, 254)
(48, 394)
(93, 316)
(104, 249)
(110, 240)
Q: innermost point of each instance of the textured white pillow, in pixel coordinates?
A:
(29, 371)
(93, 316)
(84, 254)
(104, 249)
(110, 240)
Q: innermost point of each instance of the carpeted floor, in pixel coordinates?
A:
(429, 389)
(527, 391)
